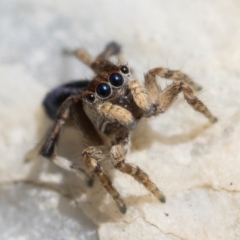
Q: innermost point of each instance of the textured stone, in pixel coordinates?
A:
(195, 164)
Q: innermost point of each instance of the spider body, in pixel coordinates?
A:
(111, 105)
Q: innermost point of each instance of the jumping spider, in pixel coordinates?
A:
(111, 105)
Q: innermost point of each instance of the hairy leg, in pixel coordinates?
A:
(118, 155)
(47, 148)
(111, 49)
(165, 98)
(175, 75)
(91, 157)
(141, 97)
(152, 87)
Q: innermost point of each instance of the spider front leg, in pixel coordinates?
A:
(91, 157)
(111, 49)
(165, 98)
(118, 155)
(175, 75)
(47, 149)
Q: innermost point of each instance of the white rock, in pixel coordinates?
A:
(195, 164)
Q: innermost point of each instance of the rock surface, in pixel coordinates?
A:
(195, 164)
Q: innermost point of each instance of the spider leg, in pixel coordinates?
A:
(47, 147)
(118, 154)
(111, 49)
(91, 157)
(175, 75)
(141, 96)
(164, 99)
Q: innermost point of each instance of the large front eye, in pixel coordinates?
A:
(103, 90)
(116, 79)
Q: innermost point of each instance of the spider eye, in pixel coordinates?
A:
(124, 69)
(116, 79)
(103, 90)
(90, 97)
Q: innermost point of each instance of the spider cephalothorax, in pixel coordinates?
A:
(111, 105)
